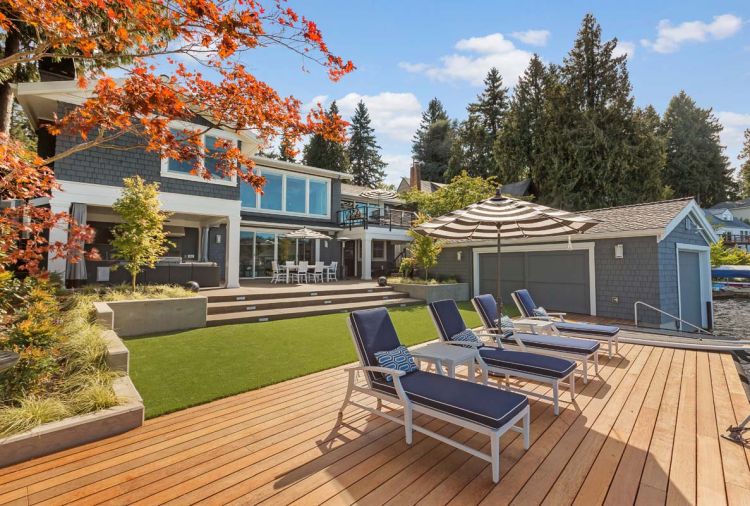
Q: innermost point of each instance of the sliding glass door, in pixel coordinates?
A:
(259, 249)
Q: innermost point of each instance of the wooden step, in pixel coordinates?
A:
(262, 303)
(305, 291)
(299, 312)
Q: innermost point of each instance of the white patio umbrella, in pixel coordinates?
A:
(305, 233)
(378, 194)
(501, 217)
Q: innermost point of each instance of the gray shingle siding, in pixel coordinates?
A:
(668, 261)
(448, 265)
(631, 278)
(109, 166)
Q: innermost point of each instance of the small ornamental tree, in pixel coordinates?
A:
(721, 254)
(425, 250)
(463, 190)
(140, 239)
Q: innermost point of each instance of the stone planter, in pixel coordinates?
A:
(151, 316)
(432, 293)
(81, 429)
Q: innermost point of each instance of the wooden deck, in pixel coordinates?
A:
(646, 431)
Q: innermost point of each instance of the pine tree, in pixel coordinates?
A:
(433, 142)
(320, 152)
(363, 150)
(286, 150)
(517, 148)
(745, 167)
(696, 165)
(477, 135)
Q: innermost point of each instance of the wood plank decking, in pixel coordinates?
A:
(646, 431)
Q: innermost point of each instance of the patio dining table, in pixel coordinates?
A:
(293, 268)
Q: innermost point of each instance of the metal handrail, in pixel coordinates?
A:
(676, 318)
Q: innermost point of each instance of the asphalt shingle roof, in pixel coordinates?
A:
(632, 218)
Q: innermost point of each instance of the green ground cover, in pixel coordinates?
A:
(181, 369)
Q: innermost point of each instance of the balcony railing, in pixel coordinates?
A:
(736, 239)
(370, 215)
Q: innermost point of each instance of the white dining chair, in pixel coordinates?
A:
(331, 271)
(277, 274)
(317, 273)
(289, 267)
(301, 272)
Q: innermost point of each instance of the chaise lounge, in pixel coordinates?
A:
(470, 405)
(494, 359)
(529, 309)
(582, 350)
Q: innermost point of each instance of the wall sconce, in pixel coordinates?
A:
(218, 238)
(325, 244)
(619, 251)
(459, 255)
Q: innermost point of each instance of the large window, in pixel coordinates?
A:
(189, 169)
(258, 250)
(290, 193)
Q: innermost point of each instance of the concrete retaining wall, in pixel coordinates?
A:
(82, 429)
(432, 293)
(151, 316)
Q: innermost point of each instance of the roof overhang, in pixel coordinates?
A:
(693, 210)
(39, 101)
(655, 233)
(297, 167)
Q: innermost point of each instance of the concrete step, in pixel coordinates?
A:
(306, 291)
(299, 312)
(262, 303)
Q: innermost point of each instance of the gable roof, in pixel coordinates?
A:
(425, 186)
(732, 204)
(713, 219)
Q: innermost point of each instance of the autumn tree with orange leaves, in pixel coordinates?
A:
(148, 40)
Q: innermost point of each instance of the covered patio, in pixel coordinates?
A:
(647, 431)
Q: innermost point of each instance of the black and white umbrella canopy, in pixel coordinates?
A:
(507, 217)
(502, 217)
(306, 233)
(379, 194)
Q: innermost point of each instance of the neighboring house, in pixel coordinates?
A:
(740, 208)
(518, 189)
(735, 232)
(658, 253)
(415, 182)
(222, 229)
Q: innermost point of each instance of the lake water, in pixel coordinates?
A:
(732, 317)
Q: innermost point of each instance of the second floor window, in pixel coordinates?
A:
(189, 169)
(288, 193)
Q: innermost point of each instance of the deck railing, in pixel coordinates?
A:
(676, 318)
(368, 215)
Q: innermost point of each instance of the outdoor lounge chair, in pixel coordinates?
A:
(583, 350)
(477, 407)
(496, 360)
(529, 309)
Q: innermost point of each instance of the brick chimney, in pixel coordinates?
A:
(415, 176)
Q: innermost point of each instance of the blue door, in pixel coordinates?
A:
(691, 305)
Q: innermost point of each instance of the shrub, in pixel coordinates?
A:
(31, 412)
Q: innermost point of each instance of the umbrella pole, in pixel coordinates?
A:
(499, 264)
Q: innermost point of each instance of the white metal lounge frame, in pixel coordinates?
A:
(402, 399)
(614, 339)
(486, 369)
(520, 346)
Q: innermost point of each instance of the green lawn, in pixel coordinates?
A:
(182, 369)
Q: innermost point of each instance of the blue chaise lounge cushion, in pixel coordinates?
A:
(532, 363)
(556, 343)
(487, 406)
(398, 358)
(587, 328)
(373, 332)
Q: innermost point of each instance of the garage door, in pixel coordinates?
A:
(558, 280)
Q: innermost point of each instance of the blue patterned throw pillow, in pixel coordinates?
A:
(398, 358)
(506, 326)
(540, 311)
(467, 336)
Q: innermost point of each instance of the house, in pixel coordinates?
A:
(222, 230)
(740, 208)
(519, 189)
(734, 231)
(657, 253)
(415, 181)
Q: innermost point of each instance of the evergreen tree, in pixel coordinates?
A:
(745, 167)
(696, 165)
(363, 150)
(433, 142)
(517, 147)
(476, 136)
(326, 154)
(286, 150)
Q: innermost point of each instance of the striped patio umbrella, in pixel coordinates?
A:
(306, 233)
(502, 217)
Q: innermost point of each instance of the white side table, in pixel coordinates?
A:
(536, 326)
(447, 355)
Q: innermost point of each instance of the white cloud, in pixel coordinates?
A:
(532, 37)
(733, 134)
(625, 48)
(492, 50)
(398, 167)
(394, 116)
(313, 103)
(669, 37)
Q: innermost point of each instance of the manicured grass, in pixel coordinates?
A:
(182, 369)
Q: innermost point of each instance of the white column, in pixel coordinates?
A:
(366, 257)
(58, 233)
(233, 252)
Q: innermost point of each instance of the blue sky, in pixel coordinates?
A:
(409, 52)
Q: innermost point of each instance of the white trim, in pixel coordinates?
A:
(575, 238)
(298, 168)
(575, 246)
(290, 226)
(695, 212)
(212, 132)
(704, 257)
